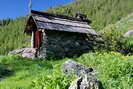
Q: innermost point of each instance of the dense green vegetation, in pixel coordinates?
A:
(113, 69)
(113, 35)
(12, 35)
(5, 22)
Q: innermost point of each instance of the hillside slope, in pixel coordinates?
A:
(113, 35)
(101, 12)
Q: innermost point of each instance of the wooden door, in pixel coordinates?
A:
(38, 39)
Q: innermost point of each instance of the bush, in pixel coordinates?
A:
(126, 45)
(113, 36)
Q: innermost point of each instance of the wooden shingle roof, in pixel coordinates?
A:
(48, 21)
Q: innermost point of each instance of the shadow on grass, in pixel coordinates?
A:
(5, 72)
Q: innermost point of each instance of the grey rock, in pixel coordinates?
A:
(28, 55)
(17, 51)
(29, 50)
(86, 82)
(24, 52)
(71, 67)
(86, 76)
(128, 34)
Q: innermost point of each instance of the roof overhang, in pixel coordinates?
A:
(48, 21)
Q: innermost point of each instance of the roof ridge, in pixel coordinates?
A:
(56, 15)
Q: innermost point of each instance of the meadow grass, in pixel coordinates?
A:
(12, 36)
(101, 12)
(113, 35)
(113, 69)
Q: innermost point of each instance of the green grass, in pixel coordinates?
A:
(113, 69)
(12, 36)
(101, 12)
(113, 35)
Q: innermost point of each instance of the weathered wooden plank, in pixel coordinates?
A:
(45, 14)
(61, 21)
(52, 26)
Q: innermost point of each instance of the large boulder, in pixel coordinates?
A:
(24, 52)
(128, 34)
(86, 76)
(86, 82)
(71, 67)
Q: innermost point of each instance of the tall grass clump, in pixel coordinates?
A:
(12, 35)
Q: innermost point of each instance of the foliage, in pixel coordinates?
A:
(57, 80)
(113, 69)
(113, 35)
(101, 12)
(5, 22)
(12, 36)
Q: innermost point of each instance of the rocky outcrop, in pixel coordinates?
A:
(24, 52)
(86, 82)
(86, 76)
(128, 34)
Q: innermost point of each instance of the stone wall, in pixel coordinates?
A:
(64, 44)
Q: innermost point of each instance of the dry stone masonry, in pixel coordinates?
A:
(60, 44)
